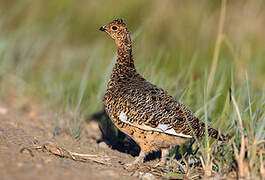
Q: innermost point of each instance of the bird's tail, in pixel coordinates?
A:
(215, 134)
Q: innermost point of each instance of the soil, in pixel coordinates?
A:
(22, 130)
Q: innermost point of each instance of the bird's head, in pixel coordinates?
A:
(118, 31)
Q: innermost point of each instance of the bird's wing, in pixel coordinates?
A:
(160, 128)
(152, 108)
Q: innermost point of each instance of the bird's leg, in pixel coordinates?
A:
(164, 154)
(190, 151)
(139, 160)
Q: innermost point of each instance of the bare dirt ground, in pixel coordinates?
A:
(21, 131)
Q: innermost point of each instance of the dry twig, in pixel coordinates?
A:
(59, 151)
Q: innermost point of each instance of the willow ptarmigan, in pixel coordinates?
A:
(148, 114)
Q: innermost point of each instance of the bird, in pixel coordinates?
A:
(148, 114)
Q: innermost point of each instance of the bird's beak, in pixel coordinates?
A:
(102, 28)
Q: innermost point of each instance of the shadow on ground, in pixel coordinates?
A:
(113, 137)
(116, 139)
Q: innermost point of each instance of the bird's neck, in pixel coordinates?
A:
(124, 60)
(124, 66)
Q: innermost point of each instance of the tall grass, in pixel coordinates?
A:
(52, 56)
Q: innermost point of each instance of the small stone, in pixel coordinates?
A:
(20, 164)
(146, 176)
(103, 145)
(3, 111)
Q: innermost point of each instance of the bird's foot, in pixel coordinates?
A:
(137, 163)
(161, 164)
(132, 166)
(163, 161)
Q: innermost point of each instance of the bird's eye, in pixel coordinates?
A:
(114, 27)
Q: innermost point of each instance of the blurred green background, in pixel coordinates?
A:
(53, 56)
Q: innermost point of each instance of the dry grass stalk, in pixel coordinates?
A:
(243, 170)
(207, 166)
(262, 169)
(252, 152)
(187, 172)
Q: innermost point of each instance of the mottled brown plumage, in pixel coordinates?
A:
(148, 114)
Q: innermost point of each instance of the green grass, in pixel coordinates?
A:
(52, 55)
